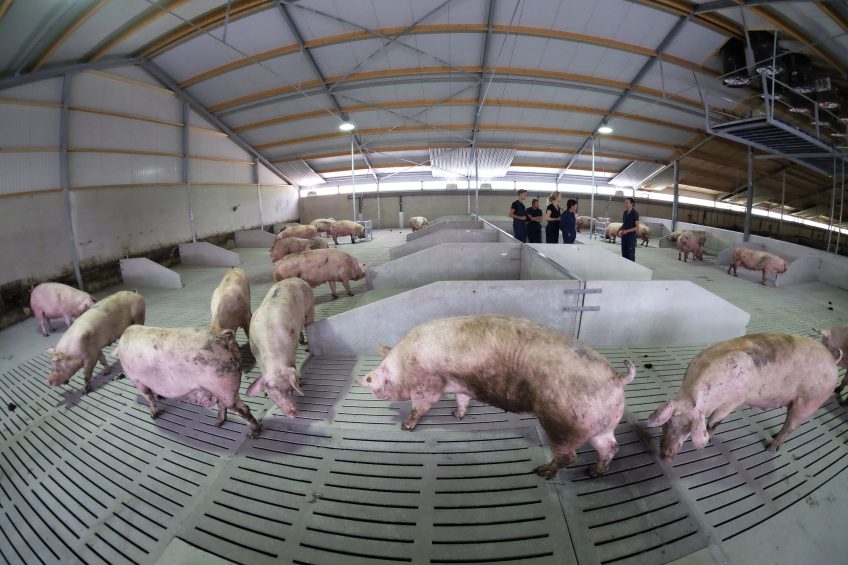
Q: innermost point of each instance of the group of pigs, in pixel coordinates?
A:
(643, 232)
(692, 241)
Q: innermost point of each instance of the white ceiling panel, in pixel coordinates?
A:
(529, 138)
(613, 146)
(196, 56)
(105, 21)
(831, 35)
(248, 80)
(674, 80)
(20, 24)
(538, 117)
(289, 107)
(695, 42)
(651, 132)
(49, 90)
(280, 132)
(312, 25)
(661, 112)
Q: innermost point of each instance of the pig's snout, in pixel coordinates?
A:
(56, 379)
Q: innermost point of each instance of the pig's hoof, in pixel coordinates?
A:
(460, 415)
(335, 297)
(350, 294)
(772, 447)
(596, 470)
(547, 471)
(407, 426)
(841, 401)
(254, 433)
(155, 414)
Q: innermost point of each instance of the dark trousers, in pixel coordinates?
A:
(534, 234)
(552, 232)
(628, 246)
(569, 237)
(519, 230)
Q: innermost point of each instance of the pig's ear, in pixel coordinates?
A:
(294, 381)
(825, 333)
(384, 350)
(257, 388)
(51, 351)
(662, 414)
(700, 436)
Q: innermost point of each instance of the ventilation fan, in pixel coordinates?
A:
(733, 67)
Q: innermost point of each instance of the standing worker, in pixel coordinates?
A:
(568, 222)
(518, 213)
(534, 222)
(552, 215)
(629, 225)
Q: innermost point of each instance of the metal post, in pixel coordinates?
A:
(64, 176)
(186, 177)
(476, 186)
(379, 212)
(750, 202)
(592, 205)
(841, 204)
(832, 203)
(468, 187)
(676, 195)
(352, 179)
(782, 203)
(259, 191)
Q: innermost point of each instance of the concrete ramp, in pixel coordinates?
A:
(550, 303)
(827, 269)
(144, 272)
(443, 236)
(590, 262)
(467, 224)
(655, 313)
(204, 254)
(254, 238)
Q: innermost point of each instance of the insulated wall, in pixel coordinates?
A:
(125, 173)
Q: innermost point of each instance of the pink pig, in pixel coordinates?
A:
(56, 300)
(231, 303)
(346, 227)
(319, 266)
(754, 260)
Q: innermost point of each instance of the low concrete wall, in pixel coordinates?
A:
(591, 262)
(822, 268)
(467, 224)
(443, 236)
(653, 313)
(144, 272)
(255, 238)
(449, 262)
(204, 254)
(355, 333)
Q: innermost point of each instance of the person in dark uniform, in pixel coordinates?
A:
(568, 222)
(552, 214)
(534, 222)
(518, 213)
(629, 225)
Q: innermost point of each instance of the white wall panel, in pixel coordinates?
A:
(99, 91)
(109, 169)
(195, 119)
(32, 237)
(225, 208)
(203, 171)
(28, 126)
(49, 90)
(24, 172)
(279, 204)
(204, 144)
(110, 132)
(267, 177)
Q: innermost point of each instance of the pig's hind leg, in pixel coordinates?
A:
(244, 412)
(607, 447)
(346, 285)
(797, 412)
(151, 399)
(422, 401)
(462, 401)
(333, 289)
(222, 414)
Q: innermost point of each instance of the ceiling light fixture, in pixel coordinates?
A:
(347, 126)
(604, 128)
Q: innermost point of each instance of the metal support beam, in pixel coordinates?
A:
(744, 187)
(11, 81)
(676, 199)
(159, 74)
(750, 202)
(185, 172)
(707, 7)
(484, 59)
(681, 22)
(258, 192)
(323, 81)
(40, 39)
(832, 204)
(64, 177)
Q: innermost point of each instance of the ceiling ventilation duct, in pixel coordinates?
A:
(828, 99)
(660, 181)
(762, 44)
(450, 163)
(635, 174)
(799, 73)
(300, 173)
(733, 66)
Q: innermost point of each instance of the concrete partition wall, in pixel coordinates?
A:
(537, 267)
(254, 238)
(443, 236)
(355, 333)
(204, 254)
(822, 268)
(466, 224)
(141, 271)
(591, 262)
(449, 262)
(654, 313)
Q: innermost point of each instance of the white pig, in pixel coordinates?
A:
(612, 231)
(836, 341)
(644, 232)
(322, 224)
(274, 333)
(82, 345)
(516, 365)
(199, 365)
(231, 303)
(418, 223)
(761, 370)
(689, 242)
(319, 266)
(56, 300)
(301, 231)
(754, 260)
(346, 227)
(583, 222)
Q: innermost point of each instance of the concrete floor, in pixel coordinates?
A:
(94, 479)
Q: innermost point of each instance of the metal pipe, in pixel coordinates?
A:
(379, 212)
(186, 177)
(676, 195)
(841, 204)
(750, 201)
(64, 176)
(259, 192)
(832, 203)
(476, 186)
(352, 179)
(592, 205)
(782, 203)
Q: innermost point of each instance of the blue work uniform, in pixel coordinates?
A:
(534, 229)
(519, 227)
(568, 223)
(628, 240)
(552, 229)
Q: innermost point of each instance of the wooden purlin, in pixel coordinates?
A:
(66, 33)
(131, 28)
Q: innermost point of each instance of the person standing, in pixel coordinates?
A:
(534, 222)
(552, 215)
(518, 213)
(568, 222)
(629, 226)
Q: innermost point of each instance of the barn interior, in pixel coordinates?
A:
(154, 144)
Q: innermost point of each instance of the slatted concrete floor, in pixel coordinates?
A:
(94, 479)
